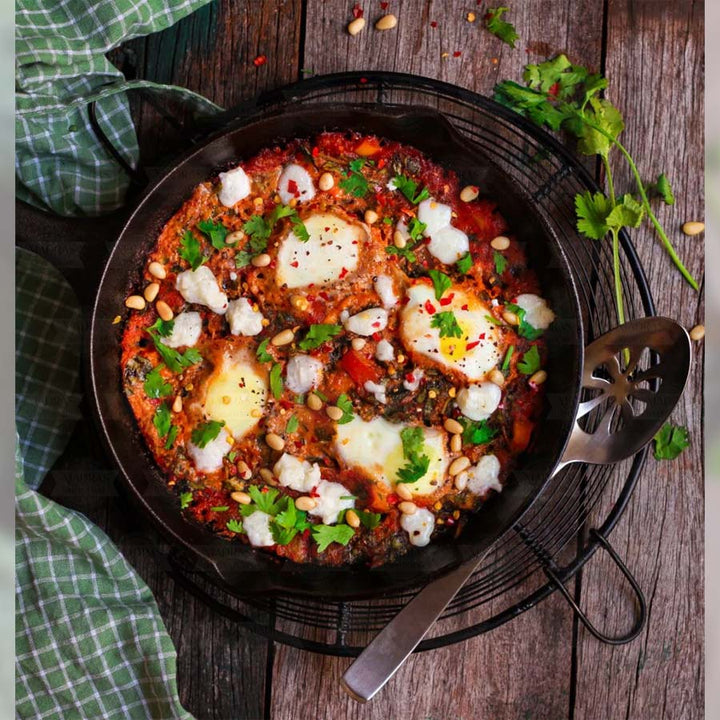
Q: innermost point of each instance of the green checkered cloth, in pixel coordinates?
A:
(60, 68)
(90, 642)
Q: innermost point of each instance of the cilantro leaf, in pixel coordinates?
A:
(206, 432)
(154, 385)
(447, 324)
(626, 213)
(670, 441)
(220, 508)
(355, 182)
(464, 263)
(171, 437)
(414, 469)
(530, 362)
(235, 526)
(662, 189)
(301, 232)
(508, 357)
(190, 250)
(441, 282)
(416, 229)
(477, 433)
(163, 328)
(493, 320)
(325, 535)
(500, 28)
(369, 520)
(592, 211)
(265, 501)
(215, 232)
(524, 328)
(258, 229)
(242, 259)
(345, 404)
(276, 381)
(292, 424)
(162, 420)
(262, 353)
(413, 442)
(604, 115)
(408, 187)
(175, 361)
(288, 522)
(319, 334)
(500, 262)
(185, 499)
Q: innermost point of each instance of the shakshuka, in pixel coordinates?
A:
(334, 351)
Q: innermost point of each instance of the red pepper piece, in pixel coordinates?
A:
(360, 368)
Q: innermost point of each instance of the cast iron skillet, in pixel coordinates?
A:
(236, 566)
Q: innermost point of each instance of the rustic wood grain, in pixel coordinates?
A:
(655, 69)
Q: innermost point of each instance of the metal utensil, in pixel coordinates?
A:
(638, 401)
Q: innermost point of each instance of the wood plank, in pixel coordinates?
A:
(522, 669)
(655, 68)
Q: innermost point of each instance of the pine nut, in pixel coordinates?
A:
(243, 470)
(334, 412)
(267, 475)
(358, 343)
(371, 217)
(299, 302)
(697, 333)
(177, 404)
(496, 377)
(693, 227)
(262, 260)
(151, 291)
(461, 481)
(305, 503)
(510, 318)
(157, 270)
(386, 22)
(403, 491)
(275, 441)
(469, 193)
(226, 399)
(470, 17)
(399, 239)
(313, 402)
(326, 180)
(234, 237)
(456, 443)
(538, 378)
(241, 497)
(452, 392)
(459, 464)
(352, 519)
(135, 302)
(407, 508)
(163, 310)
(453, 426)
(284, 337)
(256, 413)
(500, 243)
(355, 27)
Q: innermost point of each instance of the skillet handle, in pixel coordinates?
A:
(613, 371)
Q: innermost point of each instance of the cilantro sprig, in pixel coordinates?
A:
(261, 353)
(524, 328)
(441, 282)
(530, 362)
(175, 361)
(325, 535)
(413, 444)
(464, 264)
(191, 250)
(259, 228)
(447, 323)
(276, 381)
(670, 441)
(215, 233)
(500, 261)
(155, 385)
(319, 334)
(501, 28)
(477, 433)
(355, 183)
(409, 188)
(345, 404)
(206, 432)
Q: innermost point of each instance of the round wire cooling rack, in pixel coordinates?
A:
(536, 557)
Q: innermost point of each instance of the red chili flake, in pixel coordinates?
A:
(431, 309)
(343, 273)
(472, 345)
(393, 499)
(376, 324)
(481, 336)
(450, 521)
(554, 89)
(315, 151)
(448, 299)
(264, 489)
(410, 377)
(363, 80)
(457, 53)
(293, 188)
(306, 532)
(381, 163)
(433, 24)
(357, 11)
(464, 307)
(314, 493)
(376, 336)
(294, 264)
(324, 296)
(384, 5)
(259, 60)
(311, 298)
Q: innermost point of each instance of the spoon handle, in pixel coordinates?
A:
(389, 649)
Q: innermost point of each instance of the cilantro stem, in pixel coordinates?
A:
(616, 273)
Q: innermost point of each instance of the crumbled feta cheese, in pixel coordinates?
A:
(484, 475)
(186, 330)
(233, 276)
(384, 351)
(418, 526)
(377, 390)
(200, 286)
(234, 187)
(295, 183)
(297, 474)
(537, 312)
(391, 185)
(243, 319)
(257, 527)
(435, 215)
(209, 458)
(332, 499)
(303, 373)
(344, 315)
(367, 321)
(384, 288)
(412, 380)
(448, 245)
(479, 402)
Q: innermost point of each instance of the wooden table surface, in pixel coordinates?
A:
(541, 665)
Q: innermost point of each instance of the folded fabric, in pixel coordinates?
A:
(61, 67)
